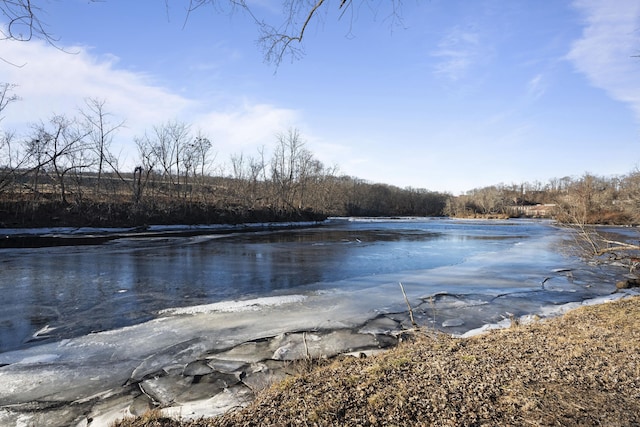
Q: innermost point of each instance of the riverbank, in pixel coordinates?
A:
(576, 370)
(93, 213)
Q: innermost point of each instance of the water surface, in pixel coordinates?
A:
(49, 294)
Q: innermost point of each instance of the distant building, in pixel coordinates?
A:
(535, 211)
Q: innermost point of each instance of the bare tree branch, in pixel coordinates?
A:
(7, 96)
(618, 246)
(285, 38)
(277, 44)
(22, 18)
(22, 21)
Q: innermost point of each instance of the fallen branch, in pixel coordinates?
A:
(619, 246)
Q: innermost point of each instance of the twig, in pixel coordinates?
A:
(413, 322)
(432, 304)
(306, 347)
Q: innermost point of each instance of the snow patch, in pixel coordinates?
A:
(43, 332)
(236, 306)
(39, 358)
(450, 323)
(549, 311)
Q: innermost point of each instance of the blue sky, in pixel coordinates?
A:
(459, 95)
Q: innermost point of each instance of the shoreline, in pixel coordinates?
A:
(183, 387)
(576, 369)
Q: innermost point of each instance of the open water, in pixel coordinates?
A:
(55, 293)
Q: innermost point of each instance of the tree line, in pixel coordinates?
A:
(588, 199)
(63, 171)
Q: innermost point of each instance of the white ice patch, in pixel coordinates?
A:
(236, 306)
(43, 332)
(450, 323)
(548, 312)
(39, 358)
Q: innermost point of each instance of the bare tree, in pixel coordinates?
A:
(587, 200)
(164, 148)
(7, 96)
(148, 160)
(177, 155)
(288, 167)
(100, 133)
(9, 161)
(257, 169)
(249, 182)
(201, 148)
(57, 148)
(194, 159)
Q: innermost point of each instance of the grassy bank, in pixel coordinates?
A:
(580, 369)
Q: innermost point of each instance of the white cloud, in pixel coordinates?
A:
(605, 52)
(457, 51)
(536, 87)
(52, 81)
(244, 128)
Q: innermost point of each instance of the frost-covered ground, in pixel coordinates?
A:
(204, 358)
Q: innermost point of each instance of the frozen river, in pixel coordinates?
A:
(78, 322)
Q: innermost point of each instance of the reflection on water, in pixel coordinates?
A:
(53, 293)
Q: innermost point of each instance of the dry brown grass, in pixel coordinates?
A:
(582, 369)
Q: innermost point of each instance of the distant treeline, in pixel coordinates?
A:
(588, 199)
(64, 173)
(114, 201)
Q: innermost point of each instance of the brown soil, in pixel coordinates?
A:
(582, 369)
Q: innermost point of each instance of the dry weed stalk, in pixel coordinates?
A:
(413, 322)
